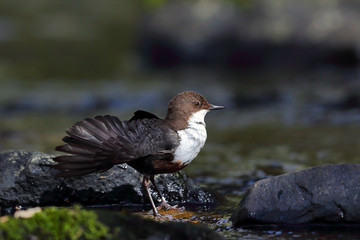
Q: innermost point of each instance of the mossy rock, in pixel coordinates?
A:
(54, 223)
(57, 224)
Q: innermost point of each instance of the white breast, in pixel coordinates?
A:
(192, 139)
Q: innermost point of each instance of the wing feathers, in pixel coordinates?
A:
(97, 144)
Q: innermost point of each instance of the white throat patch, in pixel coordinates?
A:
(192, 138)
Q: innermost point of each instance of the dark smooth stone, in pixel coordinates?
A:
(27, 180)
(323, 194)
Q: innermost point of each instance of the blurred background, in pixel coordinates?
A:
(287, 72)
(285, 62)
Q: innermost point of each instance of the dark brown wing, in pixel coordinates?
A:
(97, 144)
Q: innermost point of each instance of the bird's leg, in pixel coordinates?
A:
(164, 204)
(146, 185)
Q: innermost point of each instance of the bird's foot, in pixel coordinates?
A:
(164, 205)
(155, 213)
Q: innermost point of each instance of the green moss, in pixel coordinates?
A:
(54, 223)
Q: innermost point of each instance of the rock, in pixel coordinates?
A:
(327, 193)
(99, 224)
(130, 224)
(28, 180)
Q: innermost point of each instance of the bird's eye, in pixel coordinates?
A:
(197, 104)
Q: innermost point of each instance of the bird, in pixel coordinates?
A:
(145, 142)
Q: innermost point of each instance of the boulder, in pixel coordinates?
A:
(27, 179)
(323, 194)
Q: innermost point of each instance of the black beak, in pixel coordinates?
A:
(214, 107)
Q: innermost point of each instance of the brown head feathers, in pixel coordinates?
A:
(183, 105)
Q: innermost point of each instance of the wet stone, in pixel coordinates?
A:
(324, 194)
(28, 180)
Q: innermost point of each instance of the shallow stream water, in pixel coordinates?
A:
(266, 130)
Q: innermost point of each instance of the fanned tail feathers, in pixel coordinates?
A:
(92, 145)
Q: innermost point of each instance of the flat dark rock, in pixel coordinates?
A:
(324, 194)
(27, 179)
(135, 227)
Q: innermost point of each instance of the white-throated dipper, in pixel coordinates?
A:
(148, 144)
